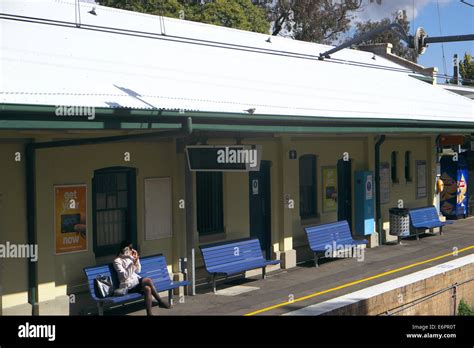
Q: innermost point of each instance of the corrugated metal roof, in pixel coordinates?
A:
(197, 67)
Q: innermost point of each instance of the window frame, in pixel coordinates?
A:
(408, 166)
(131, 210)
(394, 167)
(219, 208)
(314, 193)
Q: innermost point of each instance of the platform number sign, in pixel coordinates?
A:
(369, 188)
(255, 186)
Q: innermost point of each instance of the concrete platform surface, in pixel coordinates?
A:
(332, 279)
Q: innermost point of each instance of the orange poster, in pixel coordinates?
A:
(70, 218)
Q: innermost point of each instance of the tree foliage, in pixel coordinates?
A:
(321, 21)
(466, 69)
(399, 48)
(239, 14)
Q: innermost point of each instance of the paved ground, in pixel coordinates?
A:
(284, 285)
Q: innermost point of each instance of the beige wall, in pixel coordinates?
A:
(75, 165)
(62, 274)
(13, 271)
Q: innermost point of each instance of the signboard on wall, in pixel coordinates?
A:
(384, 183)
(70, 218)
(158, 208)
(421, 191)
(231, 158)
(329, 178)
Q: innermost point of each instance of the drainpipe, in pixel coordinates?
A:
(439, 151)
(378, 209)
(30, 174)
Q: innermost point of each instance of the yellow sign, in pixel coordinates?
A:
(70, 218)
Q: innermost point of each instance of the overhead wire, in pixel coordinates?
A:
(203, 42)
(441, 33)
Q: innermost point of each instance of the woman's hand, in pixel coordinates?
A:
(135, 256)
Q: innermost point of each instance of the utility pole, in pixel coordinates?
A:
(456, 70)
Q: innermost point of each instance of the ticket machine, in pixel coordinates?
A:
(364, 203)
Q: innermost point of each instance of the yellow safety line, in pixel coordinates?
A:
(454, 253)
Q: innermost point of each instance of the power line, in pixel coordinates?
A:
(200, 42)
(441, 34)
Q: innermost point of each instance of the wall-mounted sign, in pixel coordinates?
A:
(421, 191)
(384, 183)
(70, 218)
(235, 158)
(255, 186)
(329, 178)
(369, 188)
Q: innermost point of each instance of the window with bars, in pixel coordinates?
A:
(394, 166)
(114, 208)
(307, 176)
(209, 200)
(408, 177)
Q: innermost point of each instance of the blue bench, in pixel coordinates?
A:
(426, 218)
(235, 257)
(322, 236)
(153, 267)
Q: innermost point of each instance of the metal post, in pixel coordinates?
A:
(193, 274)
(394, 27)
(454, 38)
(30, 176)
(189, 198)
(378, 207)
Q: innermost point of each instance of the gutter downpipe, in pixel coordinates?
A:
(439, 152)
(378, 208)
(30, 176)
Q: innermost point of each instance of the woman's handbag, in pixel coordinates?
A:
(120, 292)
(103, 286)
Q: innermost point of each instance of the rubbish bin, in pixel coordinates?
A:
(399, 222)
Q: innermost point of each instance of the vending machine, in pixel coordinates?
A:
(364, 203)
(454, 197)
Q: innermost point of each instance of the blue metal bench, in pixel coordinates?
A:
(322, 236)
(235, 257)
(426, 218)
(153, 267)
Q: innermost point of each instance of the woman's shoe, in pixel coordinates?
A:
(164, 304)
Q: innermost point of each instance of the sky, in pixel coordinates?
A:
(456, 18)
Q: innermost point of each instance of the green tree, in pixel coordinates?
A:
(239, 14)
(464, 308)
(321, 21)
(399, 47)
(466, 69)
(168, 8)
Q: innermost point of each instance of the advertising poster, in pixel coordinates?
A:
(70, 218)
(329, 189)
(461, 190)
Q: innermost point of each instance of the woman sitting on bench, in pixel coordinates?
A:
(127, 265)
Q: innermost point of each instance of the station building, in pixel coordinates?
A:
(98, 110)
